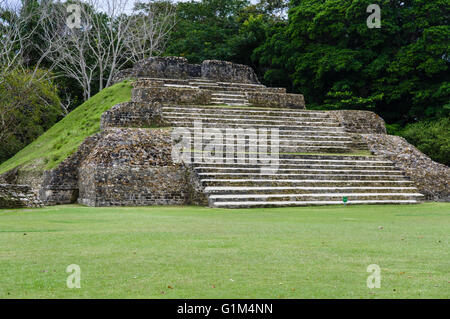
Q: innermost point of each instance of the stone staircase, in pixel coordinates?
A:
(316, 165)
(232, 94)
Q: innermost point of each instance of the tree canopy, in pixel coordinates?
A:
(399, 70)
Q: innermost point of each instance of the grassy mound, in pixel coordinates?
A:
(63, 138)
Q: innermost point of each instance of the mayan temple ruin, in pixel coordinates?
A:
(323, 157)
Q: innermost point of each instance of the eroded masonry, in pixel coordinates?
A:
(322, 156)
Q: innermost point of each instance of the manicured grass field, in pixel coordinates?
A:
(195, 252)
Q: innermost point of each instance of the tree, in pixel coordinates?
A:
(333, 58)
(18, 27)
(204, 28)
(152, 23)
(104, 42)
(29, 105)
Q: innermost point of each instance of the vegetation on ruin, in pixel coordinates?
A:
(63, 138)
(199, 252)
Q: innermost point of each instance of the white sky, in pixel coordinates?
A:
(17, 2)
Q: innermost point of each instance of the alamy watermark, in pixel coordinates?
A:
(227, 146)
(374, 280)
(74, 279)
(374, 20)
(74, 19)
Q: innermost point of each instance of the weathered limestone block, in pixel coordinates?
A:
(160, 67)
(275, 100)
(169, 95)
(28, 176)
(134, 167)
(60, 185)
(147, 83)
(355, 121)
(16, 196)
(244, 87)
(132, 186)
(195, 191)
(228, 72)
(133, 114)
(431, 178)
(10, 177)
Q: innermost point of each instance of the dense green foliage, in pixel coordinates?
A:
(431, 137)
(28, 107)
(298, 252)
(63, 138)
(326, 51)
(204, 28)
(224, 30)
(400, 70)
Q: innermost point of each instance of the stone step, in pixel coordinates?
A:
(311, 128)
(247, 204)
(230, 101)
(202, 169)
(231, 88)
(228, 95)
(294, 149)
(283, 176)
(313, 197)
(306, 190)
(201, 79)
(265, 157)
(241, 84)
(245, 111)
(283, 151)
(240, 89)
(149, 82)
(275, 122)
(211, 114)
(203, 83)
(281, 142)
(317, 160)
(286, 134)
(179, 86)
(246, 151)
(231, 104)
(211, 182)
(309, 167)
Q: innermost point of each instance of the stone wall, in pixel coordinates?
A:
(60, 185)
(160, 67)
(355, 121)
(187, 96)
(180, 68)
(132, 186)
(169, 95)
(134, 167)
(430, 178)
(24, 176)
(275, 100)
(228, 72)
(133, 114)
(16, 196)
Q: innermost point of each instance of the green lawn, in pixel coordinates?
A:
(310, 252)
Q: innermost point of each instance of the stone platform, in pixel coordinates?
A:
(322, 156)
